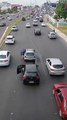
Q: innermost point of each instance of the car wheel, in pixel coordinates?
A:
(60, 113)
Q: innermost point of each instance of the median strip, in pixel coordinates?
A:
(8, 30)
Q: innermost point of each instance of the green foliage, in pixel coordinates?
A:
(14, 9)
(60, 9)
(56, 17)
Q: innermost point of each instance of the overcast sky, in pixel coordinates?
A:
(28, 2)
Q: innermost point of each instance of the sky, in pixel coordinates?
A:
(28, 2)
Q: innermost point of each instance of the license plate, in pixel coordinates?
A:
(31, 81)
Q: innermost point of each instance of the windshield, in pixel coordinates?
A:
(28, 73)
(29, 54)
(58, 66)
(9, 38)
(2, 56)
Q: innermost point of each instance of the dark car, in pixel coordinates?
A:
(23, 19)
(37, 31)
(2, 24)
(41, 19)
(29, 73)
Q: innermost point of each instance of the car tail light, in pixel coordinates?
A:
(24, 77)
(5, 60)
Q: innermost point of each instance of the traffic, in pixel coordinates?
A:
(33, 54)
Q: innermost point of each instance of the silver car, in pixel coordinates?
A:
(29, 55)
(52, 35)
(55, 66)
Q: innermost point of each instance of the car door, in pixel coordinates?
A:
(20, 69)
(59, 98)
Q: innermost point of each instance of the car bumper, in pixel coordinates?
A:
(4, 63)
(57, 72)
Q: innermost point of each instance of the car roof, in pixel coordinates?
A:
(3, 52)
(35, 20)
(52, 32)
(37, 29)
(14, 26)
(55, 61)
(10, 36)
(31, 67)
(29, 50)
(27, 23)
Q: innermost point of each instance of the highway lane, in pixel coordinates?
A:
(5, 20)
(31, 102)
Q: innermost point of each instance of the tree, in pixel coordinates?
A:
(15, 9)
(61, 11)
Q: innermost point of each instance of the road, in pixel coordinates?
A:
(20, 102)
(2, 29)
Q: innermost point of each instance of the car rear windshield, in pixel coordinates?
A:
(52, 33)
(31, 73)
(58, 66)
(10, 38)
(2, 56)
(30, 54)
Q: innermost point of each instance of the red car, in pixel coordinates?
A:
(60, 93)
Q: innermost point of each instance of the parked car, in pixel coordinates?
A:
(29, 73)
(60, 93)
(10, 39)
(28, 55)
(52, 35)
(5, 58)
(55, 66)
(37, 31)
(28, 25)
(14, 28)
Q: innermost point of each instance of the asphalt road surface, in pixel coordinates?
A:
(20, 102)
(5, 20)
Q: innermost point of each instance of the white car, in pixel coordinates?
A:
(4, 58)
(28, 25)
(14, 28)
(29, 55)
(9, 18)
(52, 35)
(55, 66)
(10, 39)
(43, 24)
(35, 22)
